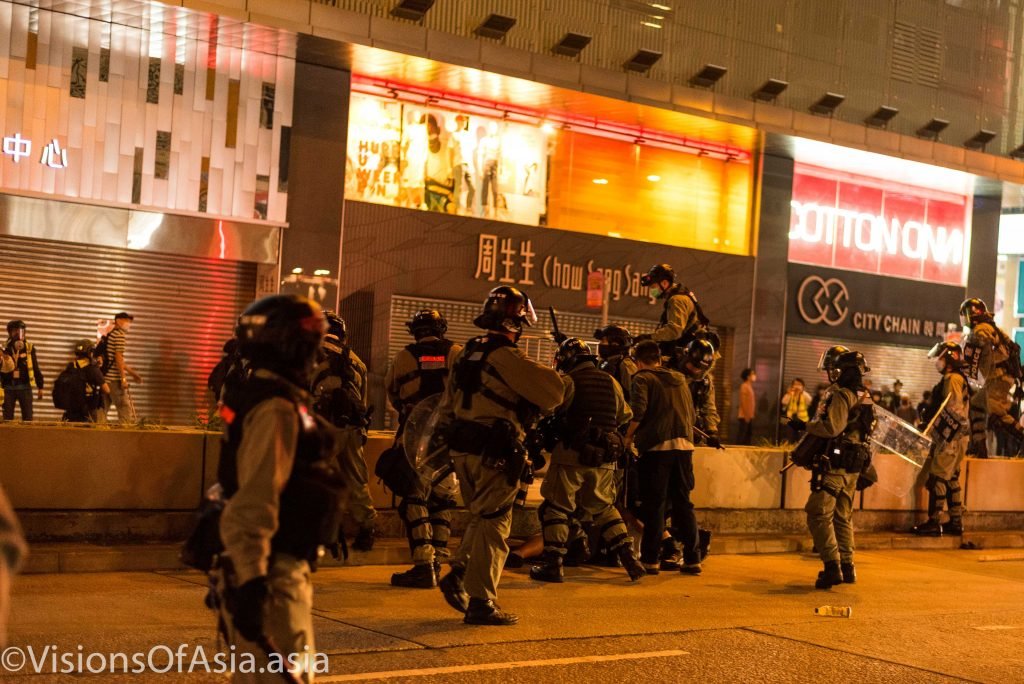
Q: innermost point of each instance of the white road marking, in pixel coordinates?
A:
(1001, 557)
(479, 667)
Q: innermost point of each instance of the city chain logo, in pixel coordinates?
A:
(823, 301)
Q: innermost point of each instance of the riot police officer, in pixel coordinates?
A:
(948, 408)
(844, 422)
(495, 391)
(697, 360)
(613, 346)
(681, 317)
(583, 462)
(281, 487)
(988, 359)
(420, 370)
(339, 392)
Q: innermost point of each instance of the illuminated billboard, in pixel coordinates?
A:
(453, 162)
(851, 222)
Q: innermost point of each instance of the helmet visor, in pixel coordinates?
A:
(529, 315)
(821, 360)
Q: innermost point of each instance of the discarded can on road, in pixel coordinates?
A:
(834, 611)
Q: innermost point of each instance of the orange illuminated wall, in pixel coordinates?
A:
(641, 192)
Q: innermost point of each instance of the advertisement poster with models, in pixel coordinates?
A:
(426, 157)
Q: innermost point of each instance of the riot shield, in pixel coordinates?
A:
(429, 455)
(898, 452)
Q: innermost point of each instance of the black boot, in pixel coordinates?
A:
(671, 554)
(577, 553)
(514, 561)
(630, 563)
(550, 570)
(485, 612)
(453, 590)
(420, 576)
(364, 540)
(830, 576)
(955, 527)
(849, 574)
(704, 537)
(436, 566)
(929, 528)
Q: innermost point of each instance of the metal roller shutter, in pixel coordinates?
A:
(536, 343)
(887, 362)
(184, 309)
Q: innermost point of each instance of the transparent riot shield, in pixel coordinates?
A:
(898, 452)
(429, 455)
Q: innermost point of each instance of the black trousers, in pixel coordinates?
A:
(22, 397)
(667, 477)
(746, 427)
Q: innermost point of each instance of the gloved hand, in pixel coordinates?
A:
(797, 424)
(713, 441)
(247, 612)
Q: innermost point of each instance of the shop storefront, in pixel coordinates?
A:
(878, 263)
(449, 195)
(141, 170)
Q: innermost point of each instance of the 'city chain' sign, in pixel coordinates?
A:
(512, 261)
(850, 305)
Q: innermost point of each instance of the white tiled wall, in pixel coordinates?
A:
(102, 130)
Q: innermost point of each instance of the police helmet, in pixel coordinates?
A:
(971, 310)
(711, 337)
(852, 360)
(572, 352)
(506, 308)
(84, 348)
(698, 355)
(828, 361)
(427, 323)
(282, 333)
(950, 353)
(15, 325)
(613, 340)
(656, 274)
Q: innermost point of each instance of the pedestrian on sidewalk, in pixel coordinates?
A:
(748, 406)
(117, 371)
(26, 378)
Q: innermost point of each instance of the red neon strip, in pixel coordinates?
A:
(369, 85)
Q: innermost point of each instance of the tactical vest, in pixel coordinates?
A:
(431, 369)
(697, 321)
(336, 390)
(939, 396)
(470, 368)
(593, 404)
(308, 514)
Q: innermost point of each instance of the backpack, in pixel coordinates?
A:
(69, 390)
(100, 352)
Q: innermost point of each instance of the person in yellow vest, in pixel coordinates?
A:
(25, 377)
(795, 405)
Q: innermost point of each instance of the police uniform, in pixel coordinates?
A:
(339, 391)
(680, 318)
(702, 389)
(23, 381)
(844, 416)
(420, 370)
(282, 492)
(493, 381)
(947, 454)
(986, 354)
(622, 368)
(583, 463)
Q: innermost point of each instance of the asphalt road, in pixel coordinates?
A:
(918, 616)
